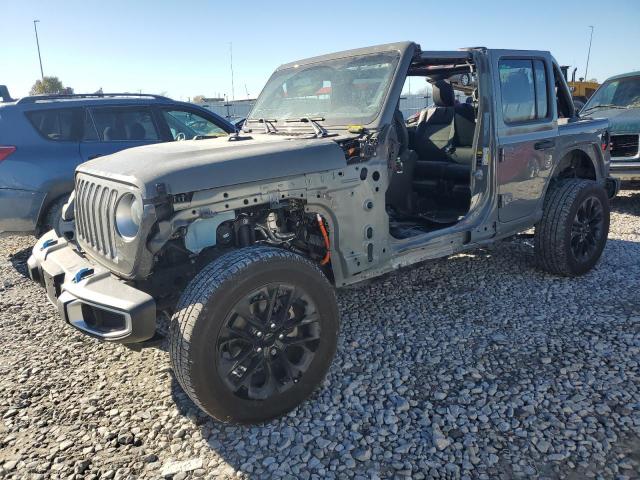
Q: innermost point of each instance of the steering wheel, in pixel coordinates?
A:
(198, 124)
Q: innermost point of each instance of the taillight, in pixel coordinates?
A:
(605, 141)
(5, 151)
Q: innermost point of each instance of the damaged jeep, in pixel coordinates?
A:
(245, 238)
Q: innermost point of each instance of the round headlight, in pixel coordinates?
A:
(128, 216)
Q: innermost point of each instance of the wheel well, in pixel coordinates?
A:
(48, 203)
(576, 164)
(289, 227)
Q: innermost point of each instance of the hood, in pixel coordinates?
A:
(192, 165)
(620, 121)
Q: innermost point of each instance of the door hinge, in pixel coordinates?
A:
(504, 199)
(482, 157)
(501, 155)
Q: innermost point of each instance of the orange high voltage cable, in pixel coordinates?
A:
(325, 236)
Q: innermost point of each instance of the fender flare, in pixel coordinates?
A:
(588, 152)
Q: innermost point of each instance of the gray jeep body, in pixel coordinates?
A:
(190, 188)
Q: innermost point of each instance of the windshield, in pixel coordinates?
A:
(186, 125)
(621, 93)
(340, 92)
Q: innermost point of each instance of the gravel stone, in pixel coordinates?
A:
(477, 366)
(172, 468)
(65, 444)
(362, 454)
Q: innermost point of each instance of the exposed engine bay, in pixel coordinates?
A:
(192, 247)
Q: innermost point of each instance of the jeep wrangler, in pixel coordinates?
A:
(245, 238)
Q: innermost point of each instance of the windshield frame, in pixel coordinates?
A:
(589, 105)
(333, 124)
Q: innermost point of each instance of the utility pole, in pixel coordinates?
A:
(35, 28)
(233, 95)
(586, 70)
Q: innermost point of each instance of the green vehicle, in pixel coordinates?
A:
(618, 100)
(245, 239)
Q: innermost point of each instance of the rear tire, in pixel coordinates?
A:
(572, 233)
(254, 334)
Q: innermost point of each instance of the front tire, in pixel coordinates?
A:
(254, 334)
(53, 220)
(572, 233)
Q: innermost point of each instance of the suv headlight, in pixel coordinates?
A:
(128, 216)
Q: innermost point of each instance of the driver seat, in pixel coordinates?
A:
(399, 196)
(435, 130)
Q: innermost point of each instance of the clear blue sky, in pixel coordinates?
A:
(182, 48)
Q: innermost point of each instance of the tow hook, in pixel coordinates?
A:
(48, 243)
(82, 274)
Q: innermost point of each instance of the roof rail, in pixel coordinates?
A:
(4, 94)
(62, 96)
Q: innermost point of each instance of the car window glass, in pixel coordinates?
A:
(60, 124)
(624, 92)
(627, 92)
(517, 88)
(186, 125)
(341, 91)
(605, 94)
(89, 131)
(128, 124)
(541, 89)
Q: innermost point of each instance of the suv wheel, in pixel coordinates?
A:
(254, 334)
(574, 227)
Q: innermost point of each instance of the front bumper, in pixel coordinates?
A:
(625, 170)
(90, 297)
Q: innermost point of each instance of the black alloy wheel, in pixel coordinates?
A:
(587, 228)
(268, 341)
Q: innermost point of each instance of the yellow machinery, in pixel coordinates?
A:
(581, 90)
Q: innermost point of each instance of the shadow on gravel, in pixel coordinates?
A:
(19, 261)
(628, 203)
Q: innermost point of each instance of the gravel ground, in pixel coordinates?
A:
(477, 366)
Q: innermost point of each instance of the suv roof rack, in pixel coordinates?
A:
(62, 96)
(4, 94)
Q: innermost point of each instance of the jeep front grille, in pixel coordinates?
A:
(624, 146)
(94, 213)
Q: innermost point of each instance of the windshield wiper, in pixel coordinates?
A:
(268, 124)
(604, 105)
(318, 129)
(204, 137)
